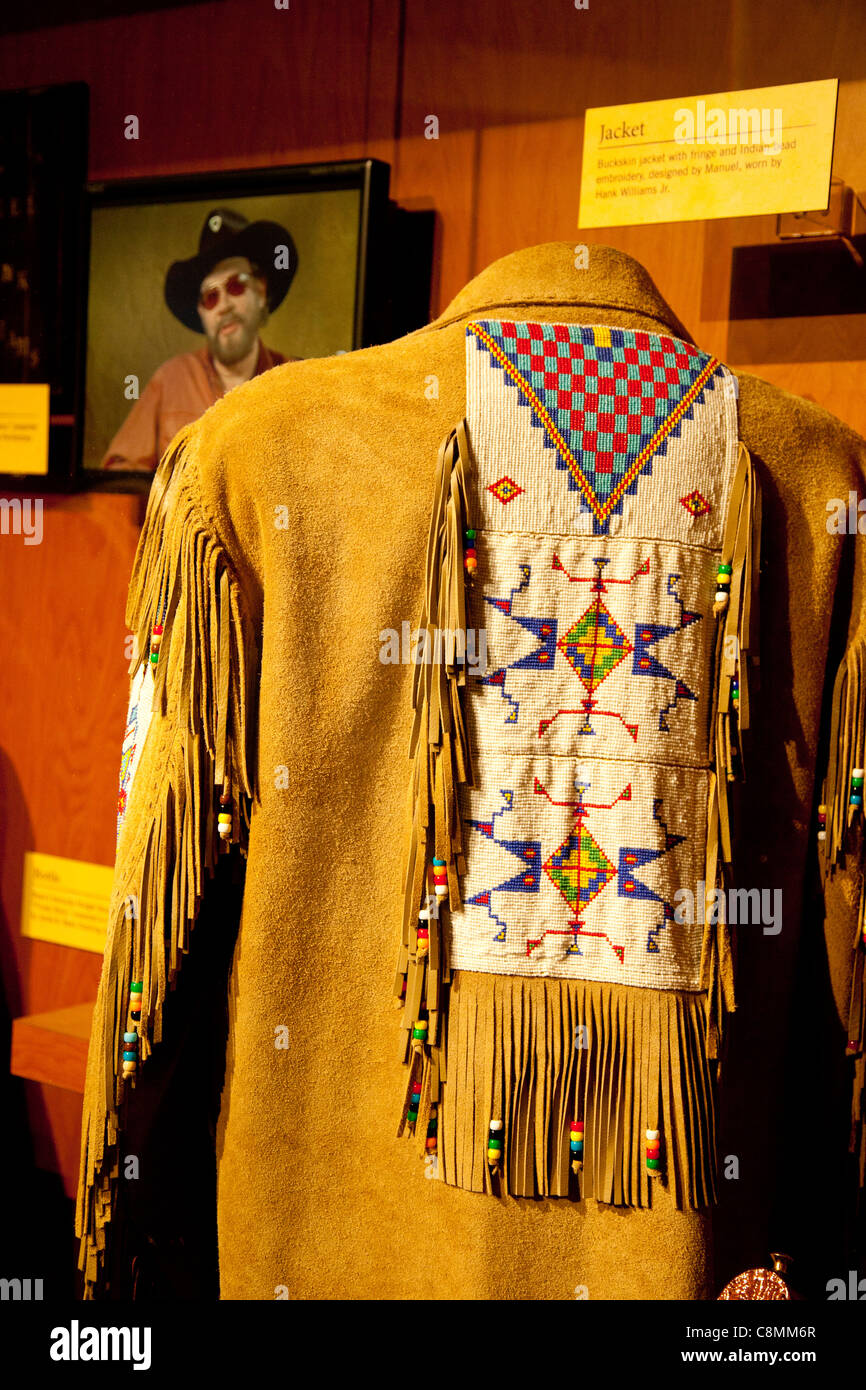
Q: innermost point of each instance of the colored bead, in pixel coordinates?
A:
(653, 1150)
(857, 772)
(494, 1143)
(576, 1146)
(721, 596)
(135, 1014)
(431, 1142)
(471, 565)
(130, 1038)
(470, 534)
(438, 862)
(856, 800)
(725, 568)
(130, 1056)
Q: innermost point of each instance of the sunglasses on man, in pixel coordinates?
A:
(235, 285)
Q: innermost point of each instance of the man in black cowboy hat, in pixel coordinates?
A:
(241, 273)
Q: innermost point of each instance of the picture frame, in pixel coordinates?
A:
(145, 239)
(43, 172)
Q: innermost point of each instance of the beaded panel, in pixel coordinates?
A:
(594, 648)
(604, 460)
(137, 722)
(572, 869)
(599, 431)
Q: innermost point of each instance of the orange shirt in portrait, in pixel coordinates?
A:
(179, 391)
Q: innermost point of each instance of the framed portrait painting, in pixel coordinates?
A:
(197, 283)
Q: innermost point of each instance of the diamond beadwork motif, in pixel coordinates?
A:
(505, 490)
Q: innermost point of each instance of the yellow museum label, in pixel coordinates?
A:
(24, 427)
(66, 901)
(731, 154)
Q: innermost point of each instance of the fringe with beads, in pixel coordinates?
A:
(840, 847)
(538, 1052)
(736, 651)
(441, 761)
(186, 607)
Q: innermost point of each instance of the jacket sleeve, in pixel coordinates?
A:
(188, 805)
(841, 839)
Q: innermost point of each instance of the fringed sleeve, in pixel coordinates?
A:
(191, 801)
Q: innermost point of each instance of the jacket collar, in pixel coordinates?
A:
(544, 277)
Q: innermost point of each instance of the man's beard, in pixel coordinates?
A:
(231, 349)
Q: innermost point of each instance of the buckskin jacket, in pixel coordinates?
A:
(509, 678)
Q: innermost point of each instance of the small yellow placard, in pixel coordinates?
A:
(66, 901)
(24, 427)
(731, 154)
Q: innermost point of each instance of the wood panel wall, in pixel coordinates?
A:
(240, 83)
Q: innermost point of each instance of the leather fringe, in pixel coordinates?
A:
(539, 1052)
(736, 654)
(442, 760)
(843, 822)
(840, 839)
(207, 658)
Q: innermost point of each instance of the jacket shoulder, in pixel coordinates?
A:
(772, 418)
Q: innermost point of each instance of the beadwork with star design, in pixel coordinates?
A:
(576, 875)
(585, 646)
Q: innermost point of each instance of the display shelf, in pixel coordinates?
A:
(52, 1047)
